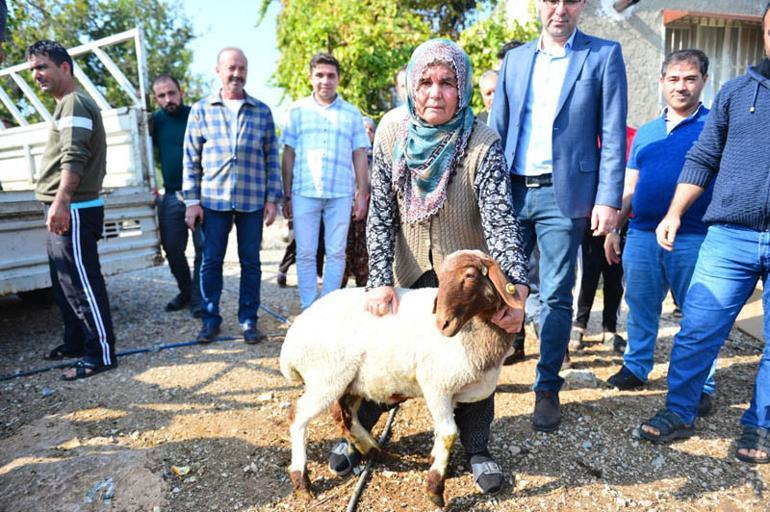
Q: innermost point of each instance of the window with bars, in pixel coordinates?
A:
(731, 46)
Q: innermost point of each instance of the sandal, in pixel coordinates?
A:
(753, 438)
(669, 426)
(487, 475)
(343, 458)
(60, 353)
(84, 369)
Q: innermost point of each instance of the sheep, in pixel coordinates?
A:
(344, 355)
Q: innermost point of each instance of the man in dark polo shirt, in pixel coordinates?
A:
(168, 126)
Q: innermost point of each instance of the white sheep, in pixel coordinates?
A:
(344, 355)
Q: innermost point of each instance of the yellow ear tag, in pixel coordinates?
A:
(484, 270)
(510, 288)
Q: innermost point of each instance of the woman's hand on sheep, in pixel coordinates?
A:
(378, 299)
(511, 319)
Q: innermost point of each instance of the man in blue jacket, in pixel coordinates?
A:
(556, 98)
(733, 152)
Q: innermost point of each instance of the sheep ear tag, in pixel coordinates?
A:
(484, 270)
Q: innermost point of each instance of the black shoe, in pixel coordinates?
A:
(207, 333)
(625, 380)
(618, 344)
(343, 458)
(547, 416)
(178, 303)
(486, 473)
(252, 336)
(196, 312)
(705, 404)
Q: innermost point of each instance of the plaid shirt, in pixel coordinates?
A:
(224, 177)
(323, 138)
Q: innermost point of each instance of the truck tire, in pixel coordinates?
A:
(41, 297)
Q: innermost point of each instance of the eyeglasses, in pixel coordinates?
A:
(554, 3)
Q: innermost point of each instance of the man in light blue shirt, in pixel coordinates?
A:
(557, 97)
(325, 173)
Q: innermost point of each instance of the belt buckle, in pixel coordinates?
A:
(531, 182)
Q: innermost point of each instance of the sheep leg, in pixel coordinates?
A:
(445, 432)
(307, 407)
(361, 438)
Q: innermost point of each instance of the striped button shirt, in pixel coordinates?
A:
(223, 172)
(323, 138)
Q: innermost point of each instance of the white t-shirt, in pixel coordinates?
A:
(234, 106)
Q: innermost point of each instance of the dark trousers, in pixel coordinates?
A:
(79, 288)
(173, 236)
(473, 420)
(290, 254)
(594, 266)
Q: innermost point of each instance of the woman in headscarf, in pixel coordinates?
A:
(439, 184)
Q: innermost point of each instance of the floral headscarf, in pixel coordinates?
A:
(424, 156)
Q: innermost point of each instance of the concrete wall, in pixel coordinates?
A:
(641, 33)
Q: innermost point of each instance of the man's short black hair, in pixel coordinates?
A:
(764, 15)
(691, 56)
(51, 49)
(166, 77)
(324, 58)
(510, 45)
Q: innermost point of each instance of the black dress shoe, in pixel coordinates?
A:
(705, 404)
(207, 333)
(625, 380)
(547, 416)
(518, 349)
(252, 336)
(178, 303)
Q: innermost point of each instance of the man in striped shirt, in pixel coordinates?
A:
(71, 174)
(231, 176)
(325, 173)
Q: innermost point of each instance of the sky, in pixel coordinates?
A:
(236, 25)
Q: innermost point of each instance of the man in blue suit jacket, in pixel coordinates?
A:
(560, 108)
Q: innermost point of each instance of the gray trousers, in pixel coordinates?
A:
(473, 420)
(173, 237)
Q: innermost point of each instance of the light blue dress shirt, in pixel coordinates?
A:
(534, 155)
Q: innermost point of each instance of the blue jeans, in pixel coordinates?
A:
(558, 238)
(216, 230)
(336, 214)
(730, 262)
(650, 272)
(173, 236)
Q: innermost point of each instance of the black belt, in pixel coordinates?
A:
(541, 180)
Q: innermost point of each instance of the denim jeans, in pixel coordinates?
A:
(650, 272)
(730, 262)
(216, 230)
(558, 238)
(336, 214)
(173, 236)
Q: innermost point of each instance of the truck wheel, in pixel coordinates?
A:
(41, 297)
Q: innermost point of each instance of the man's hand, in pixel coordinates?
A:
(286, 209)
(511, 319)
(603, 219)
(612, 248)
(666, 231)
(378, 299)
(58, 221)
(360, 206)
(269, 213)
(193, 215)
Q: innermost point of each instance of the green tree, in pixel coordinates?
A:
(372, 39)
(483, 40)
(166, 29)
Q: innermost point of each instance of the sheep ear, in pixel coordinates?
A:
(505, 289)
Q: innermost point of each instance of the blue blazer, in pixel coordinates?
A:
(592, 106)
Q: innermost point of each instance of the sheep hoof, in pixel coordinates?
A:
(435, 488)
(301, 483)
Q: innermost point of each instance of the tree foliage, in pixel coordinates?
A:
(372, 39)
(167, 35)
(483, 40)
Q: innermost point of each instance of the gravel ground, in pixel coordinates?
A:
(205, 427)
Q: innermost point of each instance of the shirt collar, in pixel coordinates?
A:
(320, 105)
(567, 46)
(216, 99)
(695, 112)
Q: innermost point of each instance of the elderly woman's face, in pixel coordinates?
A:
(435, 98)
